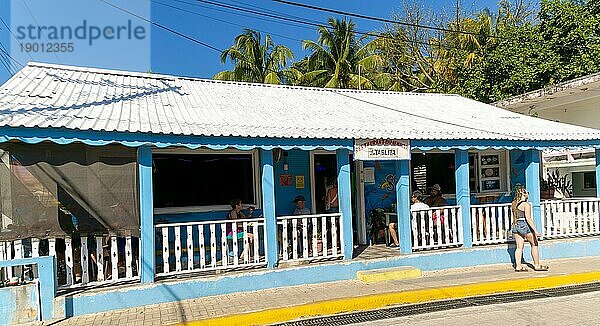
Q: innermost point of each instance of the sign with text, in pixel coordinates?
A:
(381, 149)
(106, 34)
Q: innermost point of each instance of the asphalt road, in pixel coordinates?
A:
(579, 309)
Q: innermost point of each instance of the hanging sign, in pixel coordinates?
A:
(381, 149)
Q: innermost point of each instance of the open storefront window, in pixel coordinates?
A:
(203, 181)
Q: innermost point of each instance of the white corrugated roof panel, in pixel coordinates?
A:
(58, 96)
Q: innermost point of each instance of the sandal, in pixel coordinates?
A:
(541, 268)
(522, 269)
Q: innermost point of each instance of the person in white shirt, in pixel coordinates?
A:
(415, 205)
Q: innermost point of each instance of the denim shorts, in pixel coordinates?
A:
(521, 227)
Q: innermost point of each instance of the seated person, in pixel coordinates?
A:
(435, 198)
(415, 204)
(236, 214)
(301, 208)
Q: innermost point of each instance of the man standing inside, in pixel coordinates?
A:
(435, 198)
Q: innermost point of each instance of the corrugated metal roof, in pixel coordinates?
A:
(58, 96)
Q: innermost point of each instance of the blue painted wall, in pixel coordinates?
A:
(381, 194)
(18, 304)
(298, 165)
(518, 163)
(176, 291)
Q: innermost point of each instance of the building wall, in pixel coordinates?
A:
(110, 299)
(381, 193)
(18, 304)
(298, 162)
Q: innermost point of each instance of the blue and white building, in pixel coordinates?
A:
(118, 184)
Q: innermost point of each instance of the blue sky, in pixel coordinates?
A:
(171, 54)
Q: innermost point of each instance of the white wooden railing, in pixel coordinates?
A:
(437, 227)
(310, 237)
(93, 261)
(570, 218)
(211, 245)
(490, 223)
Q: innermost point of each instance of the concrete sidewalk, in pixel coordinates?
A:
(284, 304)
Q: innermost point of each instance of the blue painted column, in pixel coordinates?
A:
(345, 200)
(598, 172)
(268, 206)
(403, 206)
(532, 183)
(463, 193)
(146, 214)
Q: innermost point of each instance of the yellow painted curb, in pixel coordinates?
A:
(376, 301)
(388, 274)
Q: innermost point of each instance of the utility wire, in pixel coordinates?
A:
(390, 21)
(15, 37)
(40, 29)
(331, 90)
(311, 25)
(383, 20)
(223, 21)
(241, 14)
(163, 27)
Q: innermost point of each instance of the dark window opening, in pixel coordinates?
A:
(431, 168)
(589, 180)
(202, 179)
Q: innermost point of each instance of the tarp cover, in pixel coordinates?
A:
(50, 190)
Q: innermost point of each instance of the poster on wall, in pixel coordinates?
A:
(381, 149)
(369, 175)
(285, 180)
(299, 182)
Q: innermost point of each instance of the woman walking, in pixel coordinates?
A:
(524, 229)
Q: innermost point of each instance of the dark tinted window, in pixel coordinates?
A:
(202, 179)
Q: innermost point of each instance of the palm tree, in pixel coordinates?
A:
(336, 56)
(255, 62)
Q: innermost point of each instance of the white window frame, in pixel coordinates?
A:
(214, 208)
(504, 169)
(503, 164)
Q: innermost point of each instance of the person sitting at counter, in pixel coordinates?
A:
(236, 214)
(415, 204)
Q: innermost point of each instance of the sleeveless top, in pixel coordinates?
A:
(520, 213)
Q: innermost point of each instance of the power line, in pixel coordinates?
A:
(379, 19)
(218, 9)
(163, 27)
(40, 29)
(311, 24)
(14, 37)
(390, 21)
(223, 21)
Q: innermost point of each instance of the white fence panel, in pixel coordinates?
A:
(490, 223)
(570, 218)
(436, 227)
(310, 237)
(211, 245)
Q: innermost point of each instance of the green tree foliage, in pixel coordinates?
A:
(528, 54)
(485, 56)
(254, 61)
(336, 56)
